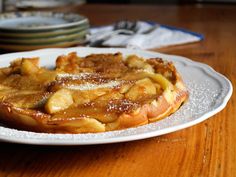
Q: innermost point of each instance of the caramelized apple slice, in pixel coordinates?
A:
(140, 89)
(29, 66)
(165, 83)
(27, 99)
(77, 124)
(45, 76)
(134, 61)
(85, 96)
(104, 99)
(59, 101)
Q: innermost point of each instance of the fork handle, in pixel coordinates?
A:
(97, 43)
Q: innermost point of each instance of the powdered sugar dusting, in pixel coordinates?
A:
(81, 76)
(90, 86)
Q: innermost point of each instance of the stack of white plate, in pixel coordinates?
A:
(20, 31)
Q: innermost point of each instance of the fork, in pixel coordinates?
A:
(122, 27)
(127, 25)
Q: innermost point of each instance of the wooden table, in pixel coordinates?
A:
(207, 149)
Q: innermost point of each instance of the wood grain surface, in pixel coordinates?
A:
(204, 150)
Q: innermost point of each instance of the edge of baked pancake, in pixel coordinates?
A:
(37, 121)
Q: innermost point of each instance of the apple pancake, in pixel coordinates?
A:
(95, 93)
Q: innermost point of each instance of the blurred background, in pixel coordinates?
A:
(12, 5)
(160, 1)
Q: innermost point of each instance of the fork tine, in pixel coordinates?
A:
(134, 26)
(126, 24)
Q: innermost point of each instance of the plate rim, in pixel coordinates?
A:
(40, 34)
(25, 48)
(145, 135)
(79, 21)
(45, 41)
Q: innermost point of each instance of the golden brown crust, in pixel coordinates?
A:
(150, 112)
(147, 91)
(23, 118)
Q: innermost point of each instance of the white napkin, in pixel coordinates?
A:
(162, 36)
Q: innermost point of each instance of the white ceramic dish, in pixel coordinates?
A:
(39, 21)
(209, 94)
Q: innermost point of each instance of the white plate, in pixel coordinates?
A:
(209, 93)
(39, 21)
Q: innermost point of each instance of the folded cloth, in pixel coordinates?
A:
(160, 36)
